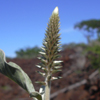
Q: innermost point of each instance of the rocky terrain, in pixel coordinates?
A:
(80, 81)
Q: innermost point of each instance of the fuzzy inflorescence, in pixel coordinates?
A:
(51, 47)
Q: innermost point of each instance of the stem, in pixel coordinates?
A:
(47, 90)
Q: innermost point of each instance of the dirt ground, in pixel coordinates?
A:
(71, 73)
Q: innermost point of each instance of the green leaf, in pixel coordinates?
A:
(55, 78)
(43, 74)
(57, 67)
(54, 71)
(57, 63)
(40, 82)
(42, 91)
(36, 95)
(15, 73)
(44, 69)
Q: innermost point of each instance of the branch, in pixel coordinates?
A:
(74, 85)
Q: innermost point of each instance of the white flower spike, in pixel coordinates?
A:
(55, 10)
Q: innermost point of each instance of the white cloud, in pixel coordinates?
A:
(67, 30)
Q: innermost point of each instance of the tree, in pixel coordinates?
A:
(93, 54)
(28, 52)
(91, 26)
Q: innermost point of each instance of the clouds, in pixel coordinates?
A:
(68, 30)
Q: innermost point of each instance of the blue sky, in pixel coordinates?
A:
(23, 22)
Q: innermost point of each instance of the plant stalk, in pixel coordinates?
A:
(47, 89)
